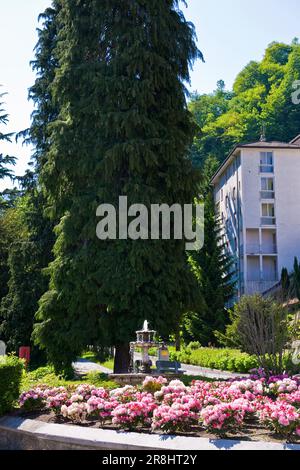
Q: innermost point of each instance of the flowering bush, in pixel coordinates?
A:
(76, 411)
(219, 407)
(174, 418)
(291, 398)
(281, 417)
(32, 400)
(55, 402)
(170, 393)
(85, 391)
(130, 415)
(101, 408)
(223, 417)
(154, 384)
(283, 386)
(125, 394)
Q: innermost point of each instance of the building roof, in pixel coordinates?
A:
(294, 144)
(296, 140)
(273, 144)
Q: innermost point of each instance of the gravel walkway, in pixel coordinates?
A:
(84, 366)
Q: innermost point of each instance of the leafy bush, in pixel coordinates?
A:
(11, 369)
(231, 360)
(263, 331)
(194, 345)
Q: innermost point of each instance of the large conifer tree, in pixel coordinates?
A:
(123, 129)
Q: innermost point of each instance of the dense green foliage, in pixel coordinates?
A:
(5, 233)
(123, 128)
(29, 254)
(231, 360)
(262, 94)
(227, 359)
(11, 370)
(5, 160)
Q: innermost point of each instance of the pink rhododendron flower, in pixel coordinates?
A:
(280, 417)
(223, 417)
(173, 418)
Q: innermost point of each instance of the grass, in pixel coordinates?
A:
(47, 376)
(108, 364)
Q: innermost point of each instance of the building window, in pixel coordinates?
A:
(268, 210)
(266, 162)
(268, 214)
(267, 184)
(267, 188)
(222, 194)
(234, 194)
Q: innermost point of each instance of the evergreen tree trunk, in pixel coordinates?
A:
(122, 359)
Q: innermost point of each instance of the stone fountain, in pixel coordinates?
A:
(139, 369)
(144, 341)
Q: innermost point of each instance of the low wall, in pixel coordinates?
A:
(26, 434)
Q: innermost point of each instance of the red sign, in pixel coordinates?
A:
(24, 353)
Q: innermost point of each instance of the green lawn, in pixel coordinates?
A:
(47, 376)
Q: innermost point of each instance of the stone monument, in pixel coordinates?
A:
(2, 348)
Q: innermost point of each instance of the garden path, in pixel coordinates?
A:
(84, 366)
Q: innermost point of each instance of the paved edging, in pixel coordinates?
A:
(25, 434)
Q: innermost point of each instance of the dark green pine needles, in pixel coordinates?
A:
(123, 129)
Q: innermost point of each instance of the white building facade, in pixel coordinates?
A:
(257, 197)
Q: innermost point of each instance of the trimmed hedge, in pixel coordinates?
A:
(231, 360)
(11, 371)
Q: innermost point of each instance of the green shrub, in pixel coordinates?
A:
(194, 345)
(11, 370)
(231, 360)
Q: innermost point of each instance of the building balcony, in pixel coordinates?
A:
(264, 249)
(267, 195)
(258, 287)
(268, 221)
(267, 169)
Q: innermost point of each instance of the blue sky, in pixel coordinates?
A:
(230, 34)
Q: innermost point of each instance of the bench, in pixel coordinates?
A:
(169, 366)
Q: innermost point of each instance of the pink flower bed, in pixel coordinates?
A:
(218, 407)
